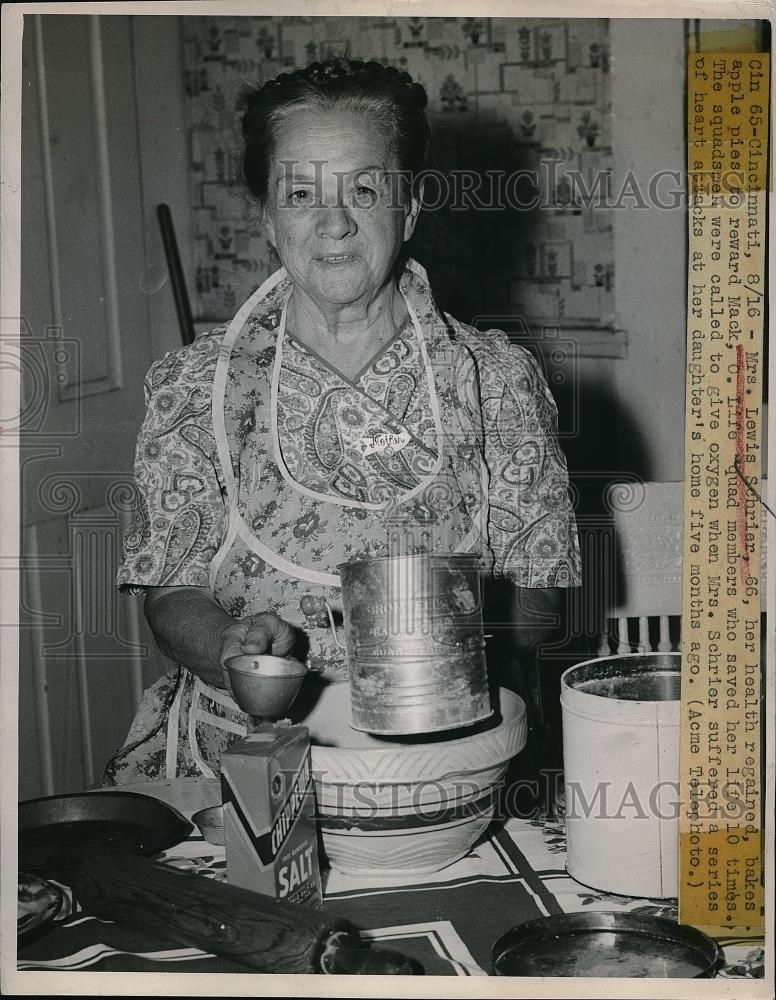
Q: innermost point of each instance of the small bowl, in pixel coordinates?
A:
(265, 685)
(210, 823)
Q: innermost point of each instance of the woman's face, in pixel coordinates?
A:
(334, 211)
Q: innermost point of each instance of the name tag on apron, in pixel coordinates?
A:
(379, 441)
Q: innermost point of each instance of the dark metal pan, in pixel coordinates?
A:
(126, 821)
(608, 944)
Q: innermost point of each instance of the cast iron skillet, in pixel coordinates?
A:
(127, 821)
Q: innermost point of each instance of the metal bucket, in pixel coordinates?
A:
(415, 643)
(621, 772)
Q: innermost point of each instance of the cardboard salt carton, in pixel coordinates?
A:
(269, 815)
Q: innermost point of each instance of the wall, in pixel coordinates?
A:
(650, 244)
(163, 152)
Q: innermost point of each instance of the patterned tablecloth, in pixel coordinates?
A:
(447, 920)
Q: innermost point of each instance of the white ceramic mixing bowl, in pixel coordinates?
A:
(404, 805)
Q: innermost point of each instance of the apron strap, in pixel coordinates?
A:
(173, 725)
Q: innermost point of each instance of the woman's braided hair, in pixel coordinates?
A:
(390, 98)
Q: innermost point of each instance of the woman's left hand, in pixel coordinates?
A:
(536, 614)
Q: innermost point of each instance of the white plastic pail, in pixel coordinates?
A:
(621, 772)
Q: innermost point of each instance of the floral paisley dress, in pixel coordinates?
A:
(260, 469)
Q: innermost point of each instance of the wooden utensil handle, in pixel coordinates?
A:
(258, 931)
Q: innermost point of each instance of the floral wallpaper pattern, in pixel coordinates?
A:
(541, 82)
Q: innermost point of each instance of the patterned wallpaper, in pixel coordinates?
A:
(504, 93)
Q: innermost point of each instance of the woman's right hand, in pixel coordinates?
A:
(255, 634)
(191, 628)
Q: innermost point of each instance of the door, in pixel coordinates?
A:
(86, 342)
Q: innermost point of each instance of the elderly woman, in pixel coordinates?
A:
(339, 415)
